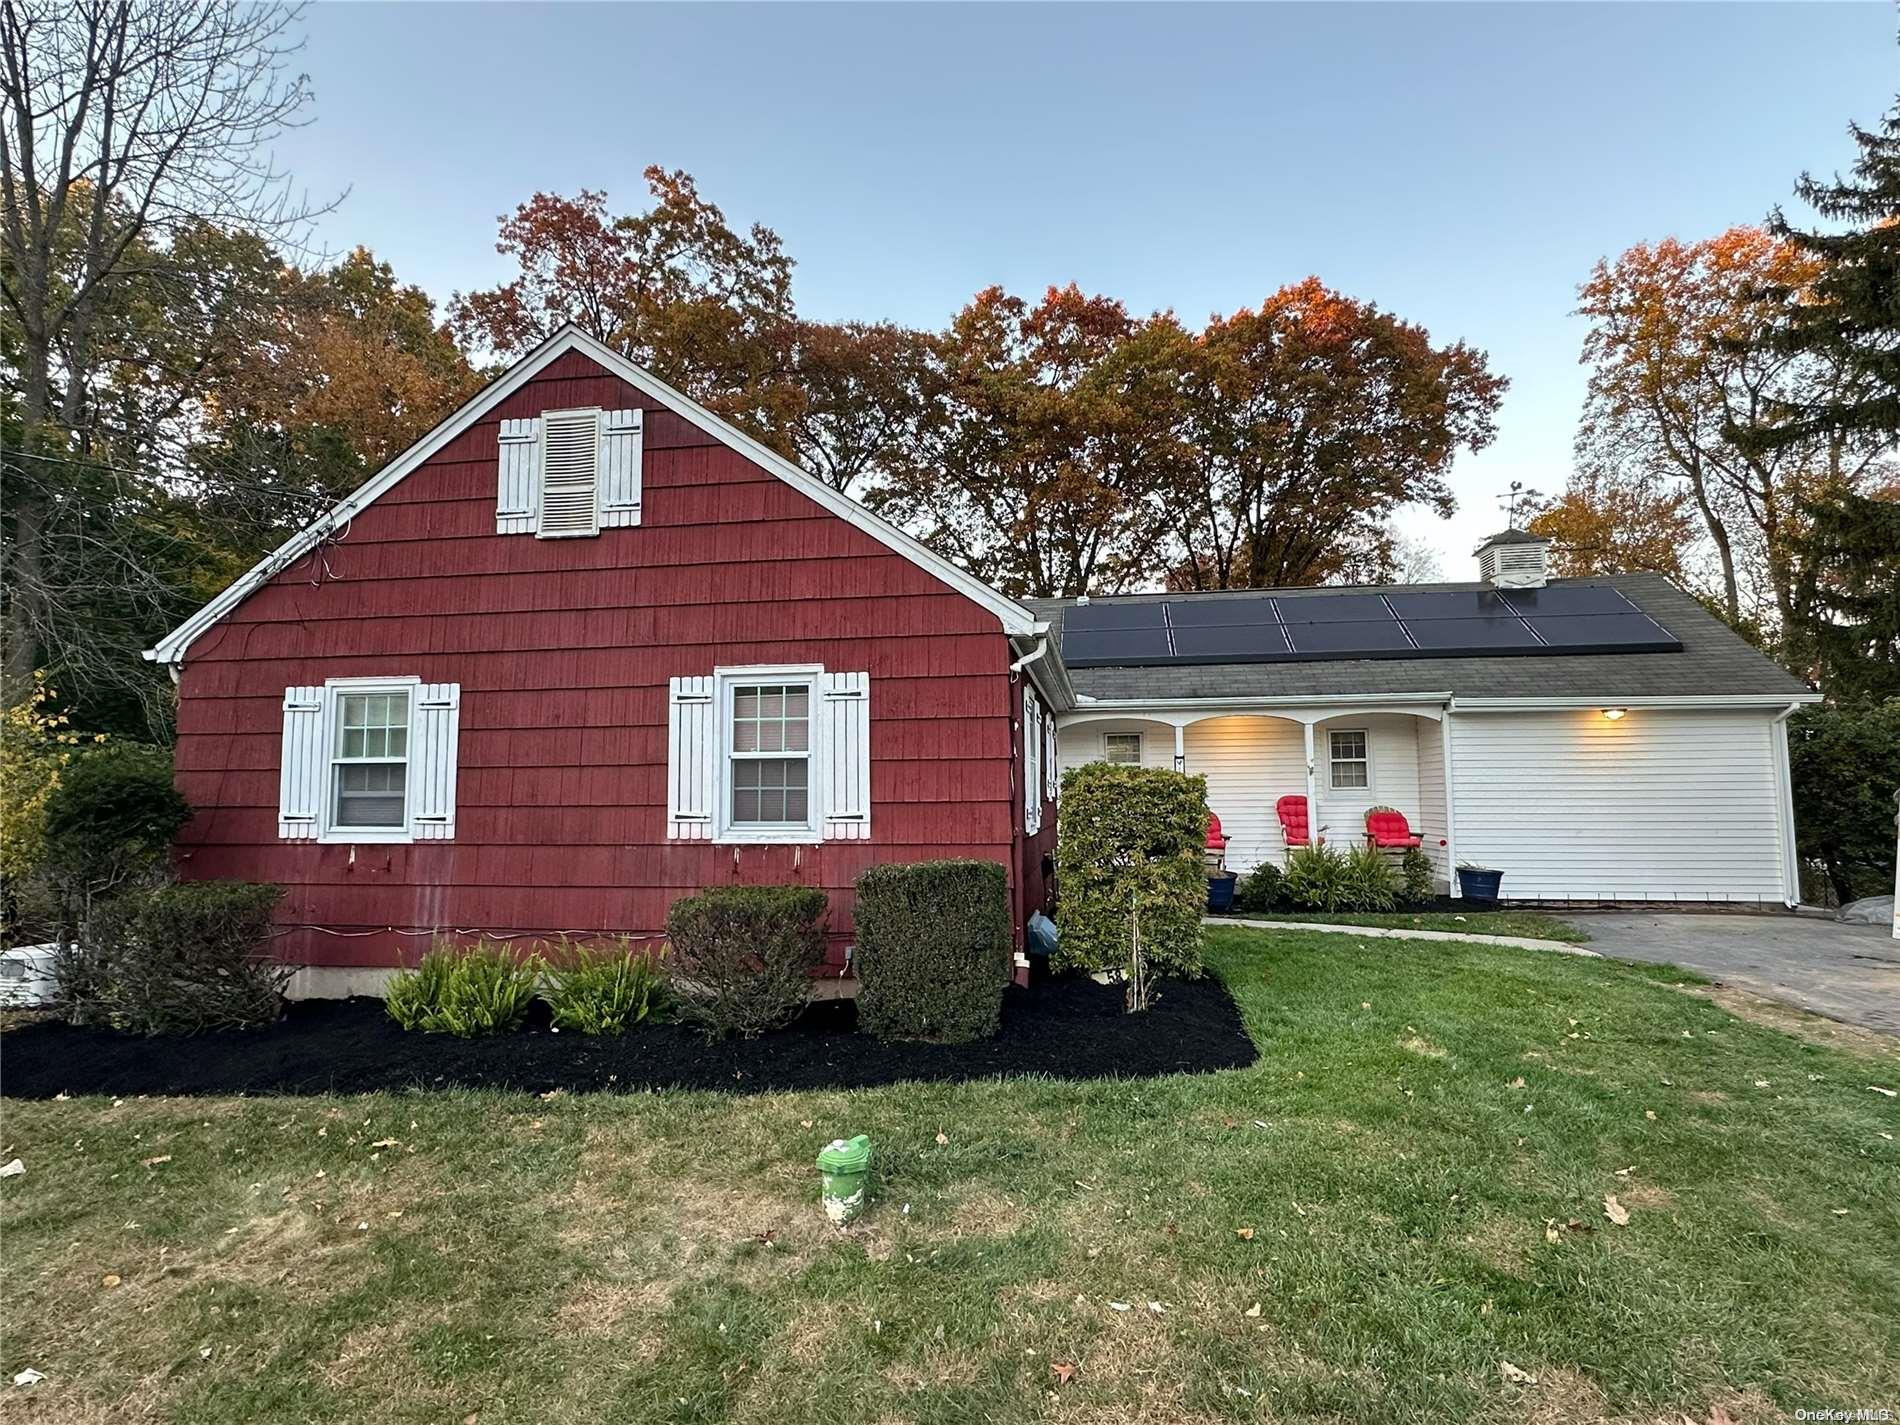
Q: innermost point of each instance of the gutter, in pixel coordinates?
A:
(1707, 701)
(1784, 796)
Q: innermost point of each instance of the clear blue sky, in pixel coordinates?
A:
(1460, 165)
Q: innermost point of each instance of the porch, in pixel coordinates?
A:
(1344, 759)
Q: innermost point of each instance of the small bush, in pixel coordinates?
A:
(744, 955)
(485, 989)
(933, 953)
(603, 991)
(1316, 878)
(1132, 838)
(1369, 881)
(1421, 878)
(179, 959)
(1261, 889)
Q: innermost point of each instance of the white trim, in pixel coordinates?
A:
(817, 758)
(1784, 794)
(1712, 701)
(1451, 808)
(171, 648)
(1333, 760)
(330, 834)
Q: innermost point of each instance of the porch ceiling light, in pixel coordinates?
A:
(1614, 713)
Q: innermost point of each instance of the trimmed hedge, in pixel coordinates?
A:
(1131, 836)
(743, 955)
(933, 954)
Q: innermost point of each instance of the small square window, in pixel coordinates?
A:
(1122, 748)
(1351, 766)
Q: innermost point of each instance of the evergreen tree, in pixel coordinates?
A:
(1850, 316)
(1849, 590)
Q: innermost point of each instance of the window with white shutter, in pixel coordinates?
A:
(769, 754)
(369, 759)
(1051, 772)
(574, 473)
(1032, 763)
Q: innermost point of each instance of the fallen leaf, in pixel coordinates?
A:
(13, 1170)
(1063, 1371)
(1840, 1212)
(1515, 1376)
(109, 1280)
(1118, 1306)
(1485, 1310)
(1245, 1234)
(1625, 1172)
(1550, 1231)
(1156, 1307)
(29, 1377)
(1516, 1083)
(392, 1142)
(154, 1162)
(942, 1138)
(1252, 1311)
(1615, 1210)
(1761, 1083)
(551, 1094)
(804, 1123)
(1890, 1093)
(1650, 1114)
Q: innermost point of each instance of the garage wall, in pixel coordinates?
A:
(1656, 806)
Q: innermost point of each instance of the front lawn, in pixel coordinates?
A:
(1406, 1191)
(1533, 923)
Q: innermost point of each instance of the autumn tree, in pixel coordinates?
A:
(1052, 442)
(1614, 518)
(1309, 422)
(1680, 366)
(130, 126)
(852, 397)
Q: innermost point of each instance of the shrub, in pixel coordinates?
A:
(1261, 889)
(1316, 878)
(484, 989)
(111, 816)
(743, 955)
(1132, 840)
(35, 747)
(603, 991)
(933, 954)
(1368, 880)
(178, 959)
(1845, 763)
(1420, 876)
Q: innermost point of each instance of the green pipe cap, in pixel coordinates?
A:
(838, 1156)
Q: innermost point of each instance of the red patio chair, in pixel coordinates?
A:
(1296, 827)
(1216, 840)
(1389, 831)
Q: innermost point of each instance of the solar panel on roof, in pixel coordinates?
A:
(1099, 616)
(1355, 639)
(1235, 642)
(1334, 608)
(1115, 646)
(1610, 633)
(1494, 634)
(1237, 608)
(1567, 599)
(1449, 603)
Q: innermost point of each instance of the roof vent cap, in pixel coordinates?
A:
(1514, 559)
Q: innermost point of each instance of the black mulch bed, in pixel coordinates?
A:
(1066, 1029)
(1435, 906)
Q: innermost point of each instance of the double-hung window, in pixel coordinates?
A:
(370, 762)
(769, 756)
(1122, 748)
(1351, 766)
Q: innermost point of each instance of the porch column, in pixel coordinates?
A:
(1451, 812)
(1180, 747)
(1312, 787)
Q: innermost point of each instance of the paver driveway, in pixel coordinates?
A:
(1846, 972)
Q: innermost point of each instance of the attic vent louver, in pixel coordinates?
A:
(1514, 560)
(570, 465)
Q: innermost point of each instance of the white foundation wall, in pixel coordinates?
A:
(1659, 805)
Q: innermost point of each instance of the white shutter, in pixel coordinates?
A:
(300, 780)
(570, 474)
(620, 449)
(1032, 763)
(845, 756)
(432, 756)
(1051, 771)
(692, 759)
(517, 485)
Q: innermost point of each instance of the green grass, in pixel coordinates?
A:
(661, 1257)
(1500, 922)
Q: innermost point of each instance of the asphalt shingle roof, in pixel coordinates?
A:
(1713, 660)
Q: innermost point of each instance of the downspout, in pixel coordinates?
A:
(1313, 827)
(1451, 815)
(1784, 794)
(1041, 648)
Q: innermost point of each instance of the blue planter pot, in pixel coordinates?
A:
(1478, 884)
(1220, 890)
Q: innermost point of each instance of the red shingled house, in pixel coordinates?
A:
(586, 648)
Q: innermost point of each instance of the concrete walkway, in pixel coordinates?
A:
(1389, 932)
(1846, 972)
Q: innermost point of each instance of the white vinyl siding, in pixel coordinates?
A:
(1391, 774)
(367, 759)
(1432, 824)
(1659, 805)
(769, 755)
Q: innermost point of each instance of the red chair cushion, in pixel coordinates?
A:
(1390, 828)
(1295, 826)
(1215, 840)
